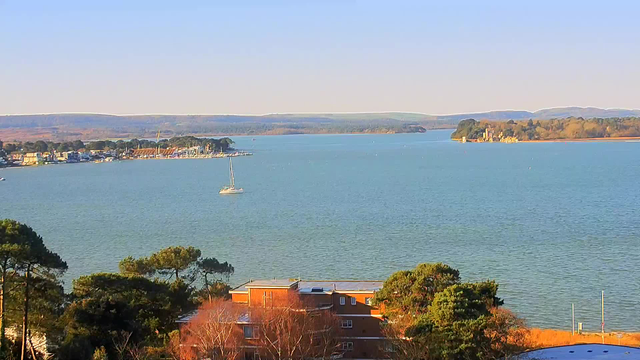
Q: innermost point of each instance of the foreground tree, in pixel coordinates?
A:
(296, 330)
(507, 333)
(435, 316)
(183, 264)
(174, 260)
(213, 332)
(213, 270)
(26, 261)
(106, 306)
(412, 291)
(170, 262)
(40, 264)
(12, 246)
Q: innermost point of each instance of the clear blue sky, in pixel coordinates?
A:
(255, 57)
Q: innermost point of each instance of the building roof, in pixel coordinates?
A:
(273, 283)
(305, 286)
(152, 151)
(585, 352)
(340, 285)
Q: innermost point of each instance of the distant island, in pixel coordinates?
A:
(570, 128)
(64, 127)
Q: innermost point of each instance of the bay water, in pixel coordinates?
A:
(553, 223)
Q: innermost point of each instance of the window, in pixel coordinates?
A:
(250, 332)
(347, 346)
(367, 301)
(342, 300)
(347, 324)
(353, 301)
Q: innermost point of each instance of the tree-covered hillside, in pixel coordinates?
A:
(568, 128)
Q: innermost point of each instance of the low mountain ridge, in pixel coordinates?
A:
(65, 126)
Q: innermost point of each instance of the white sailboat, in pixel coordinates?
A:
(231, 189)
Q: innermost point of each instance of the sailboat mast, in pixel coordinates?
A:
(231, 173)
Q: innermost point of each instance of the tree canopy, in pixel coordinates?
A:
(140, 305)
(567, 128)
(104, 306)
(120, 316)
(30, 281)
(436, 316)
(222, 144)
(412, 291)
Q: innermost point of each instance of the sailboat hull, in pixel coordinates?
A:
(231, 191)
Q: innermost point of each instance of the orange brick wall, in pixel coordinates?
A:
(362, 326)
(317, 299)
(274, 297)
(366, 349)
(240, 298)
(358, 308)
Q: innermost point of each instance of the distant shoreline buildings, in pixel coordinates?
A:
(72, 157)
(19, 154)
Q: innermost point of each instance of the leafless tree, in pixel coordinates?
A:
(213, 333)
(296, 330)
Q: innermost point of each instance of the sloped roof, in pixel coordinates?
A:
(152, 151)
(306, 285)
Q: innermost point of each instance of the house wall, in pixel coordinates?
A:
(240, 298)
(366, 349)
(361, 326)
(269, 296)
(318, 300)
(358, 308)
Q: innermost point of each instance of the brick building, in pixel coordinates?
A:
(350, 301)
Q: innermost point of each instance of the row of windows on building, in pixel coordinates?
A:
(251, 332)
(343, 300)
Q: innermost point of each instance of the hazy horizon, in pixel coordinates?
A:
(312, 113)
(283, 57)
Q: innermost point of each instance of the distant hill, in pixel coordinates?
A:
(92, 126)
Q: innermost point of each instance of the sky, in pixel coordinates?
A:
(258, 57)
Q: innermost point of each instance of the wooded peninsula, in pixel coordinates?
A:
(571, 128)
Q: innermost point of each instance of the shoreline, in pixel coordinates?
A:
(600, 139)
(198, 157)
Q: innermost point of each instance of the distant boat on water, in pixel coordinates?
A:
(2, 179)
(231, 189)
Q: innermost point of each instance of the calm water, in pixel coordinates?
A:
(554, 223)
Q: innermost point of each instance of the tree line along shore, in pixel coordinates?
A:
(627, 128)
(428, 312)
(49, 152)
